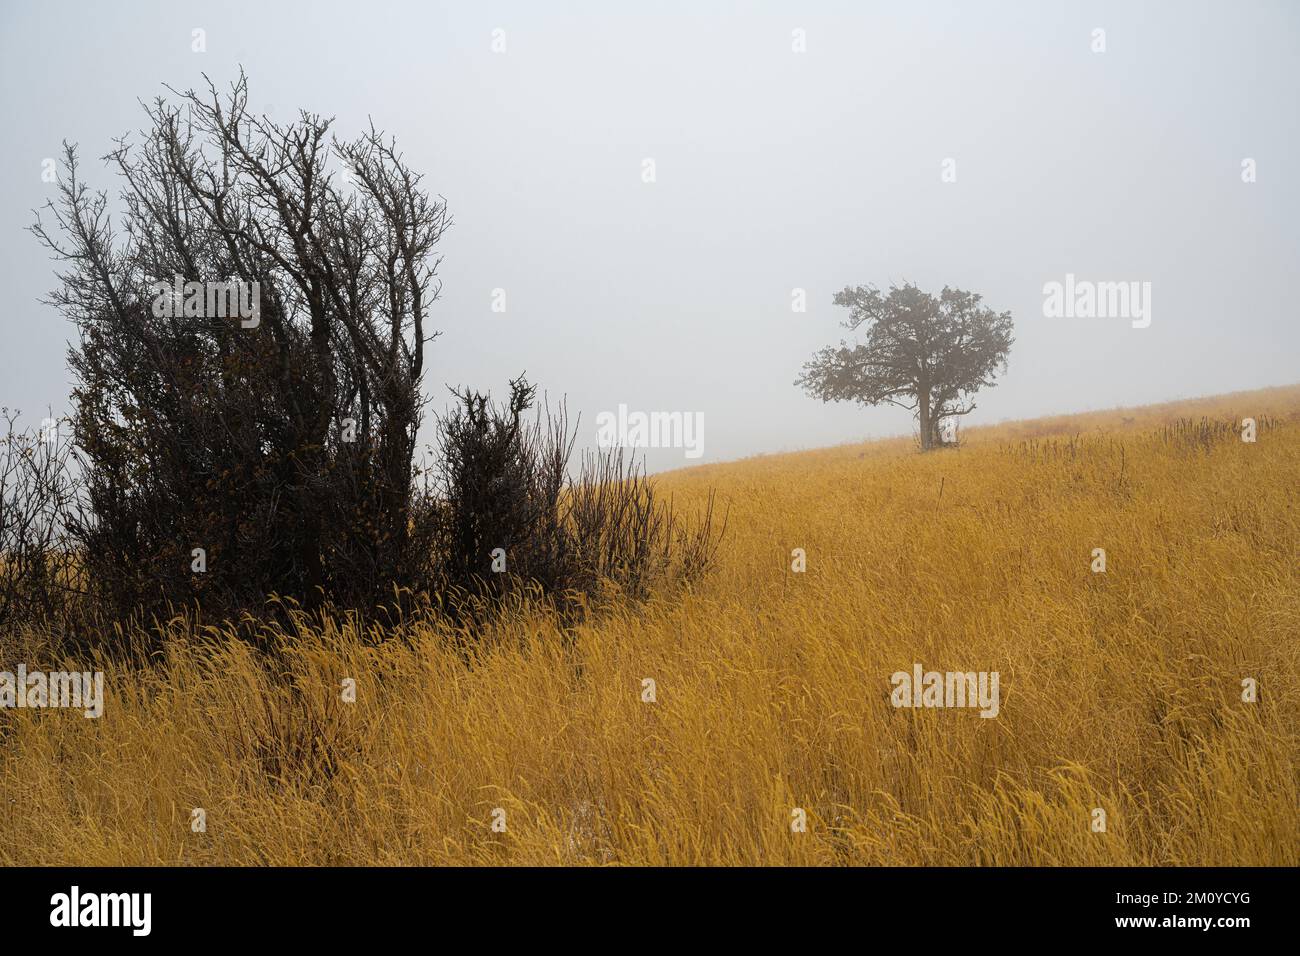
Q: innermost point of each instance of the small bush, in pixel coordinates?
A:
(508, 514)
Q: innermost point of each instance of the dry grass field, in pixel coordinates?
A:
(1119, 690)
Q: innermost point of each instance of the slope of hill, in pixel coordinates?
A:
(754, 720)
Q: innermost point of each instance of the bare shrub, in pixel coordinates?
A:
(39, 575)
(280, 445)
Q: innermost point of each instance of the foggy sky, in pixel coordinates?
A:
(775, 170)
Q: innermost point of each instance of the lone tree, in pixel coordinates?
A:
(926, 354)
(231, 456)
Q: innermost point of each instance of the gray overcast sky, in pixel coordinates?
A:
(775, 170)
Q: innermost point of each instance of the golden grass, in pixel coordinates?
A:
(1119, 690)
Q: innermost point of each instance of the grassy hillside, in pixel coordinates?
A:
(1120, 690)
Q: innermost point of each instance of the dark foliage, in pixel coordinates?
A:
(280, 439)
(508, 515)
(248, 392)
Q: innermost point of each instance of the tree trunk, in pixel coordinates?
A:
(923, 413)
